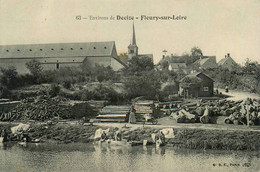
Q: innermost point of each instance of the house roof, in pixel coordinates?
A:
(85, 49)
(199, 73)
(222, 61)
(204, 60)
(178, 65)
(173, 59)
(190, 80)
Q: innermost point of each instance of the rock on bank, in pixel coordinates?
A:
(183, 137)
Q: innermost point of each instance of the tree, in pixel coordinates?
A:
(34, 67)
(195, 55)
(147, 84)
(9, 77)
(139, 64)
(250, 67)
(196, 52)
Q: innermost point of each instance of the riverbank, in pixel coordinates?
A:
(184, 137)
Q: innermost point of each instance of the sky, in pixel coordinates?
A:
(217, 27)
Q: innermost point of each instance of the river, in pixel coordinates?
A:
(88, 157)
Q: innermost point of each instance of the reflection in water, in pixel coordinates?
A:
(88, 157)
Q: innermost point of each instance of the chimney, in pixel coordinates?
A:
(228, 55)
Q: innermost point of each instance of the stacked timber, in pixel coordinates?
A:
(44, 108)
(78, 109)
(144, 107)
(7, 105)
(141, 110)
(183, 116)
(168, 107)
(114, 113)
(237, 112)
(245, 113)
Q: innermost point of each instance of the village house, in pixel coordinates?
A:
(227, 62)
(196, 85)
(133, 49)
(56, 55)
(178, 67)
(206, 62)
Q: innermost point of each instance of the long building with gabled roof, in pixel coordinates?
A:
(57, 55)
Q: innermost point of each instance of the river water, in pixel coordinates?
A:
(89, 157)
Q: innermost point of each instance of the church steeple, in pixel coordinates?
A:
(133, 39)
(132, 48)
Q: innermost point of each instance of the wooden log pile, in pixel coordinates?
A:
(245, 113)
(144, 107)
(114, 113)
(40, 108)
(141, 110)
(7, 106)
(206, 112)
(183, 116)
(168, 107)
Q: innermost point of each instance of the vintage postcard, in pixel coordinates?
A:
(129, 85)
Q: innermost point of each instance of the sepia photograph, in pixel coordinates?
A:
(129, 86)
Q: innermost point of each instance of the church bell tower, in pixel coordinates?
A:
(132, 48)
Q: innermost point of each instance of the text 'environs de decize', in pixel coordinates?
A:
(156, 18)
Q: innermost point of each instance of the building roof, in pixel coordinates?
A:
(199, 73)
(85, 49)
(178, 65)
(204, 59)
(222, 61)
(173, 59)
(133, 39)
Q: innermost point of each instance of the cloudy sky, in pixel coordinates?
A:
(217, 27)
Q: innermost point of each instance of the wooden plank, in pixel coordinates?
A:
(112, 116)
(147, 111)
(118, 107)
(113, 111)
(112, 120)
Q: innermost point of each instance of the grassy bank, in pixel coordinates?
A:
(184, 138)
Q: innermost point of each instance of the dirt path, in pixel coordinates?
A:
(239, 95)
(167, 122)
